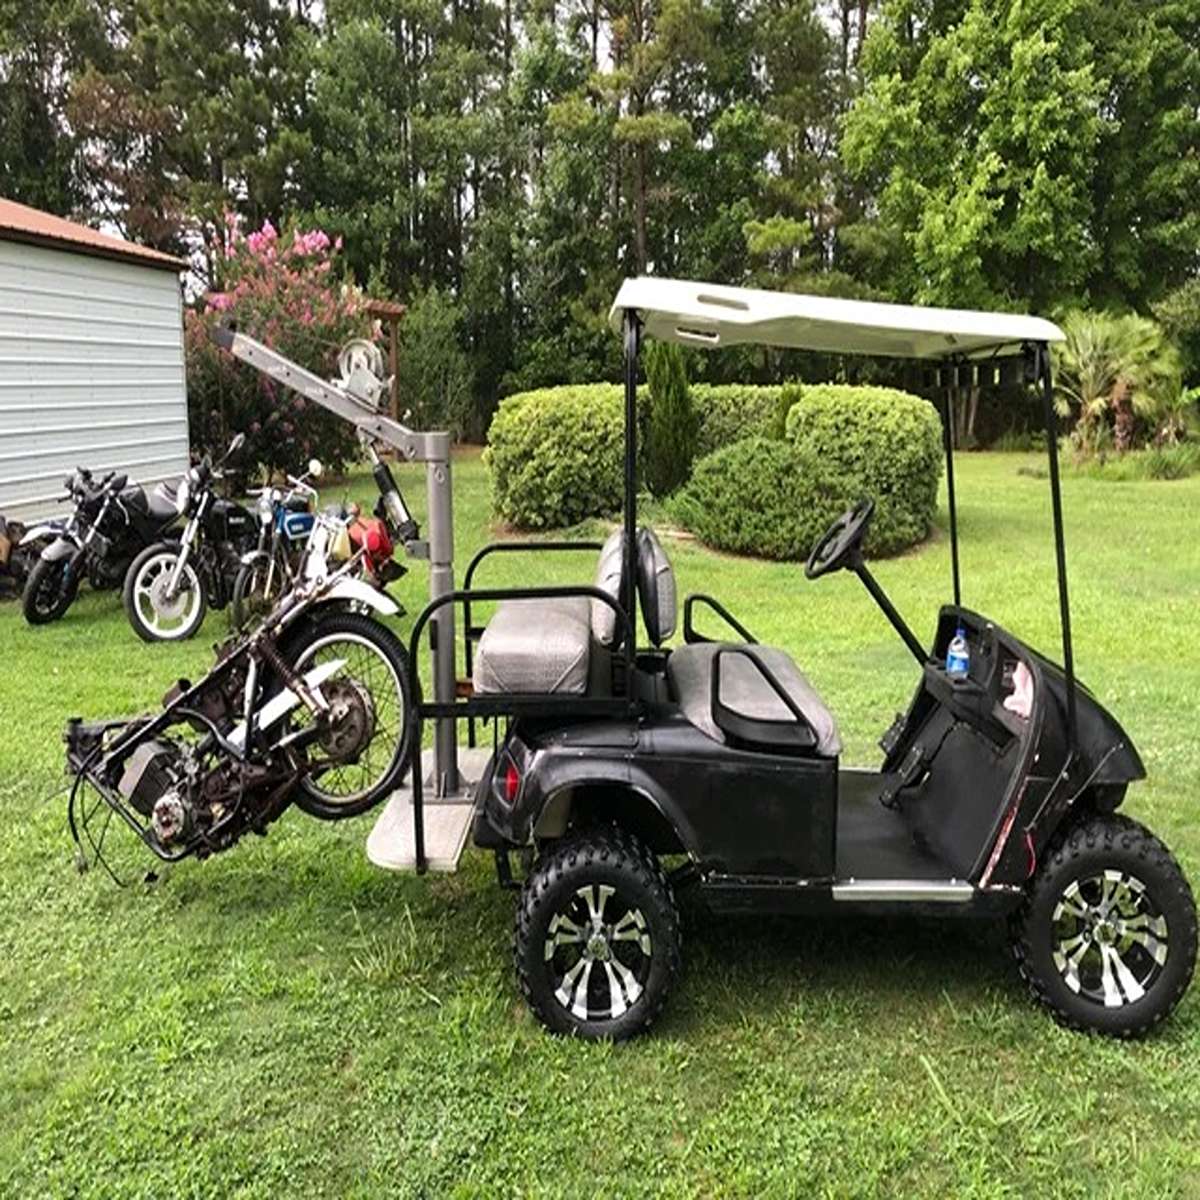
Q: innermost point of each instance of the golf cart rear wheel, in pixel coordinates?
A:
(597, 936)
(1106, 936)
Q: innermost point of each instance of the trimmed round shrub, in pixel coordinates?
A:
(730, 412)
(878, 442)
(555, 455)
(761, 497)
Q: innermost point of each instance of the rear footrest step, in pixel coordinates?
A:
(447, 824)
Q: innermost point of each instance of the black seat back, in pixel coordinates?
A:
(656, 587)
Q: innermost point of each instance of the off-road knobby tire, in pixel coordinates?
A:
(600, 854)
(40, 574)
(1081, 849)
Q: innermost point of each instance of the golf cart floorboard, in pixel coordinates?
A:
(874, 842)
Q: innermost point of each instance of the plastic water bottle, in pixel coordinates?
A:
(958, 656)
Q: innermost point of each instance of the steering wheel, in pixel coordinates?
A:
(833, 549)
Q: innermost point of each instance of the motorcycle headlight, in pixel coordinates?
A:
(183, 494)
(266, 508)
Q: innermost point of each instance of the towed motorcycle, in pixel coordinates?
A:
(171, 585)
(111, 523)
(309, 707)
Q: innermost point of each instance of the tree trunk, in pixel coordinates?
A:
(639, 192)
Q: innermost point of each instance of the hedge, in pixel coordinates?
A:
(555, 455)
(729, 412)
(881, 443)
(761, 497)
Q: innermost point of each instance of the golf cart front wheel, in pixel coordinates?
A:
(1106, 936)
(597, 936)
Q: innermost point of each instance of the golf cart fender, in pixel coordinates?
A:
(614, 790)
(63, 546)
(355, 591)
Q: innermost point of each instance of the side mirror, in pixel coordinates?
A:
(314, 468)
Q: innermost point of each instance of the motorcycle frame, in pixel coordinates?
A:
(95, 763)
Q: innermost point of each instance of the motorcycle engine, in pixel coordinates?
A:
(155, 784)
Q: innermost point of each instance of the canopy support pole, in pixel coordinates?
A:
(948, 443)
(1042, 373)
(632, 331)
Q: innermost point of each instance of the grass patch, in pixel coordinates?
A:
(287, 1020)
(1157, 463)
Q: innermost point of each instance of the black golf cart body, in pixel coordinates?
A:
(750, 787)
(612, 751)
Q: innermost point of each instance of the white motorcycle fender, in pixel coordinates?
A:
(358, 592)
(279, 706)
(41, 531)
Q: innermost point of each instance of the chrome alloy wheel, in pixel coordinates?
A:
(166, 616)
(599, 952)
(1110, 940)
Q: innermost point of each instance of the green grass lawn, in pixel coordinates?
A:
(287, 1020)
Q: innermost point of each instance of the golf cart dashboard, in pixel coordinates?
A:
(952, 758)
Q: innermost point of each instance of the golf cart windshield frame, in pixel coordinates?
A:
(1027, 362)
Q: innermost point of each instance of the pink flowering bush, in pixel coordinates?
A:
(282, 288)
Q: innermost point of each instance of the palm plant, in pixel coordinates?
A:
(1112, 370)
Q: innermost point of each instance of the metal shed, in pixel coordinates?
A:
(91, 359)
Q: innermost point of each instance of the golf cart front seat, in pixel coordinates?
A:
(742, 705)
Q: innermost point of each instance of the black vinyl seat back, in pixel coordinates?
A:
(656, 587)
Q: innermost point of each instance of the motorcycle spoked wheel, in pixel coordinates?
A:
(49, 591)
(252, 597)
(155, 617)
(368, 749)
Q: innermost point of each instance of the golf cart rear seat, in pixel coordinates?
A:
(559, 645)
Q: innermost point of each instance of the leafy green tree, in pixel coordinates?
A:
(42, 45)
(979, 127)
(434, 376)
(672, 423)
(197, 107)
(1147, 177)
(1179, 313)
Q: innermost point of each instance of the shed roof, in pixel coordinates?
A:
(19, 222)
(712, 315)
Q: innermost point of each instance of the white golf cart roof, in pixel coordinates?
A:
(710, 315)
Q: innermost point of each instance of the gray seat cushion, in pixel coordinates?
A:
(745, 691)
(535, 646)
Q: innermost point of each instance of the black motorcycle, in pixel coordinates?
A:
(111, 523)
(171, 585)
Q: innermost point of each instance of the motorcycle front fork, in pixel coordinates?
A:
(181, 561)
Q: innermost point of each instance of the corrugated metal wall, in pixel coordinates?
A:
(91, 373)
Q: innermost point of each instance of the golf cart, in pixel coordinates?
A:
(610, 756)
